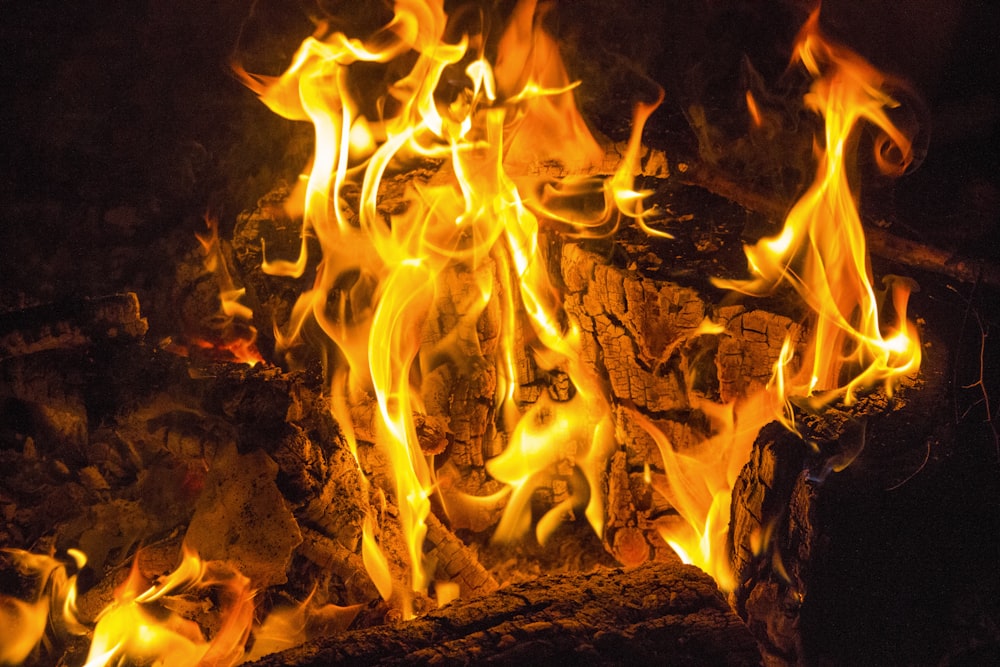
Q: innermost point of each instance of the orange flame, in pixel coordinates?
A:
(139, 624)
(821, 254)
(233, 337)
(381, 275)
(23, 624)
(754, 110)
(821, 251)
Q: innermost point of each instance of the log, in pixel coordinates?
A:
(786, 494)
(642, 333)
(665, 613)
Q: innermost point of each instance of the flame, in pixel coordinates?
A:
(23, 624)
(754, 110)
(382, 276)
(700, 481)
(821, 251)
(232, 335)
(140, 624)
(821, 254)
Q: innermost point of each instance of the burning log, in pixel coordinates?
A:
(658, 612)
(650, 338)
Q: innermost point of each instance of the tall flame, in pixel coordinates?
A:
(381, 275)
(821, 251)
(821, 254)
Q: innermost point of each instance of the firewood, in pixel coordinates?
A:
(657, 613)
(70, 324)
(642, 333)
(454, 561)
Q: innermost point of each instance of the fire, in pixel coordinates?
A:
(821, 254)
(227, 334)
(382, 276)
(24, 624)
(476, 221)
(141, 624)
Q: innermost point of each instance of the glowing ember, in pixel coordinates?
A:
(226, 335)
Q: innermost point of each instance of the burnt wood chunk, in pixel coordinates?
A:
(658, 613)
(70, 324)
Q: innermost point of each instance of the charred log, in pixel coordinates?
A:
(70, 324)
(659, 612)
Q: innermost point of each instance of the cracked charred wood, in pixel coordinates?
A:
(645, 335)
(785, 495)
(453, 561)
(656, 613)
(70, 324)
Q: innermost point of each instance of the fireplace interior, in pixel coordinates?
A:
(152, 417)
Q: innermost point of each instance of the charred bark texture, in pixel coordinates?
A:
(642, 334)
(656, 613)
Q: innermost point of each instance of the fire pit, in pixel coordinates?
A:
(495, 379)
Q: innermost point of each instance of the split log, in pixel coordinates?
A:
(786, 494)
(642, 333)
(70, 324)
(657, 613)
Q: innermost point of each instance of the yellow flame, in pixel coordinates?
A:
(135, 627)
(821, 251)
(23, 624)
(381, 275)
(139, 625)
(821, 254)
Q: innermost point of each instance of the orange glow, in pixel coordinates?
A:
(233, 338)
(754, 110)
